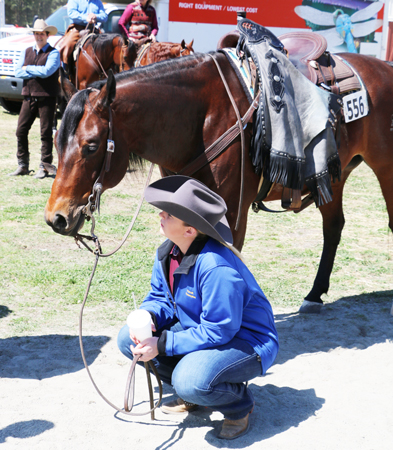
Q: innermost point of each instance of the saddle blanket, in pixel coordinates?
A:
(242, 71)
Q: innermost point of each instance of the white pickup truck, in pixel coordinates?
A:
(11, 49)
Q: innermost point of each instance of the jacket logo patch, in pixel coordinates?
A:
(190, 294)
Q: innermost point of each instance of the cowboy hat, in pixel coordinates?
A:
(40, 25)
(192, 202)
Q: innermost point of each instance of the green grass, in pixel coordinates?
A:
(43, 276)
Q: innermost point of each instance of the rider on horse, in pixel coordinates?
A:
(139, 22)
(84, 15)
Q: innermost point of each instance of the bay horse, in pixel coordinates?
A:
(97, 55)
(160, 51)
(186, 104)
(107, 51)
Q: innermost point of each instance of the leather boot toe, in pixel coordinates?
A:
(51, 169)
(42, 173)
(178, 406)
(232, 429)
(21, 170)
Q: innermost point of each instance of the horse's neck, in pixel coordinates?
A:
(165, 51)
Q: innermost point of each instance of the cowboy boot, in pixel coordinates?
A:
(178, 406)
(232, 429)
(21, 170)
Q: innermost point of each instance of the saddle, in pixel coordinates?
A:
(308, 53)
(74, 38)
(311, 158)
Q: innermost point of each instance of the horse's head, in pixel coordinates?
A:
(129, 55)
(187, 49)
(81, 144)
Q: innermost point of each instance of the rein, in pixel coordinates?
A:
(241, 129)
(220, 144)
(92, 206)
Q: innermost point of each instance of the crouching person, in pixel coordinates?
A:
(213, 326)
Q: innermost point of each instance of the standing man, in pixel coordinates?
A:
(86, 12)
(39, 68)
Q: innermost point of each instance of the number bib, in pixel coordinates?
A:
(355, 106)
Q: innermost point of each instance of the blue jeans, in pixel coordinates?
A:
(212, 377)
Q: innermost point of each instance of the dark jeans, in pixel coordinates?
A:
(45, 107)
(213, 377)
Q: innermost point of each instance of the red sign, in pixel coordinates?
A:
(268, 13)
(7, 61)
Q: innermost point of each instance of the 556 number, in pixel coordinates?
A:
(355, 106)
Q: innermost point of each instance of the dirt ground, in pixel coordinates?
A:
(330, 388)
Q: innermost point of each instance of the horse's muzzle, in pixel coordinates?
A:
(61, 224)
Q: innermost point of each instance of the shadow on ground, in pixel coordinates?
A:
(40, 357)
(25, 429)
(4, 311)
(351, 322)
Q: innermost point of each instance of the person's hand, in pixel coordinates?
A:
(91, 18)
(147, 349)
(153, 38)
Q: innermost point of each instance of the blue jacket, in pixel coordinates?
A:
(216, 298)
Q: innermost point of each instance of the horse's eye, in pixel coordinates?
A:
(90, 148)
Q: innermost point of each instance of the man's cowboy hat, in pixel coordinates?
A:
(40, 25)
(192, 202)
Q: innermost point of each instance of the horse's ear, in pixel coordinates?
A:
(108, 92)
(183, 44)
(111, 87)
(189, 46)
(66, 86)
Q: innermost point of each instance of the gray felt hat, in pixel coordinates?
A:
(192, 202)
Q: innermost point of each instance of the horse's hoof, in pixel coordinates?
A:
(310, 307)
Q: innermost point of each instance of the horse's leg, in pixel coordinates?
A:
(333, 224)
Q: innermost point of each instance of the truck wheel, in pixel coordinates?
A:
(10, 106)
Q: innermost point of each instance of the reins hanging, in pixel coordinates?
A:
(242, 139)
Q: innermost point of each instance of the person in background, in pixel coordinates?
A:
(85, 12)
(39, 68)
(139, 21)
(213, 326)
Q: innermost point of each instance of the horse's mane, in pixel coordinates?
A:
(71, 118)
(155, 71)
(103, 40)
(76, 107)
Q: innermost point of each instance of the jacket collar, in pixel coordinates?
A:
(43, 49)
(189, 258)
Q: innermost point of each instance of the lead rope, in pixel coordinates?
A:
(130, 385)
